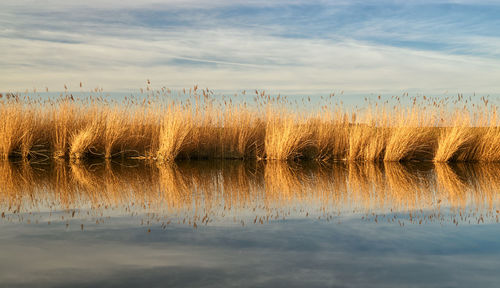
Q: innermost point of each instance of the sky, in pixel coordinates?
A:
(303, 47)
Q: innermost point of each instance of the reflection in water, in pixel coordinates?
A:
(199, 224)
(204, 192)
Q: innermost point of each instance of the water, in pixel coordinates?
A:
(252, 224)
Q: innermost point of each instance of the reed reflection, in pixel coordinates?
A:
(204, 192)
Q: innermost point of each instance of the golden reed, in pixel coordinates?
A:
(194, 124)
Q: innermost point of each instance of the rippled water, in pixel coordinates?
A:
(232, 223)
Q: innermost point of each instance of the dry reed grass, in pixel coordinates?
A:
(287, 137)
(175, 129)
(157, 126)
(331, 136)
(456, 143)
(411, 138)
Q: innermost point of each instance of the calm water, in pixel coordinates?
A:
(253, 224)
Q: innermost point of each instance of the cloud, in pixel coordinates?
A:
(233, 46)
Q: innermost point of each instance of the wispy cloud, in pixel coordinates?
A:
(283, 46)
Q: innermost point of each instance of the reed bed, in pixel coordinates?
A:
(196, 124)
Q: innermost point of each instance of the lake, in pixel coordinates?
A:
(249, 224)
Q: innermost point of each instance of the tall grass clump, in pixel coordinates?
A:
(64, 118)
(457, 141)
(11, 129)
(411, 137)
(22, 131)
(142, 139)
(368, 137)
(115, 132)
(331, 136)
(176, 126)
(287, 137)
(241, 134)
(84, 141)
(487, 146)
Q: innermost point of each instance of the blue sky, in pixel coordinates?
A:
(306, 47)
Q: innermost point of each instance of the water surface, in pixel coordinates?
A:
(248, 224)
